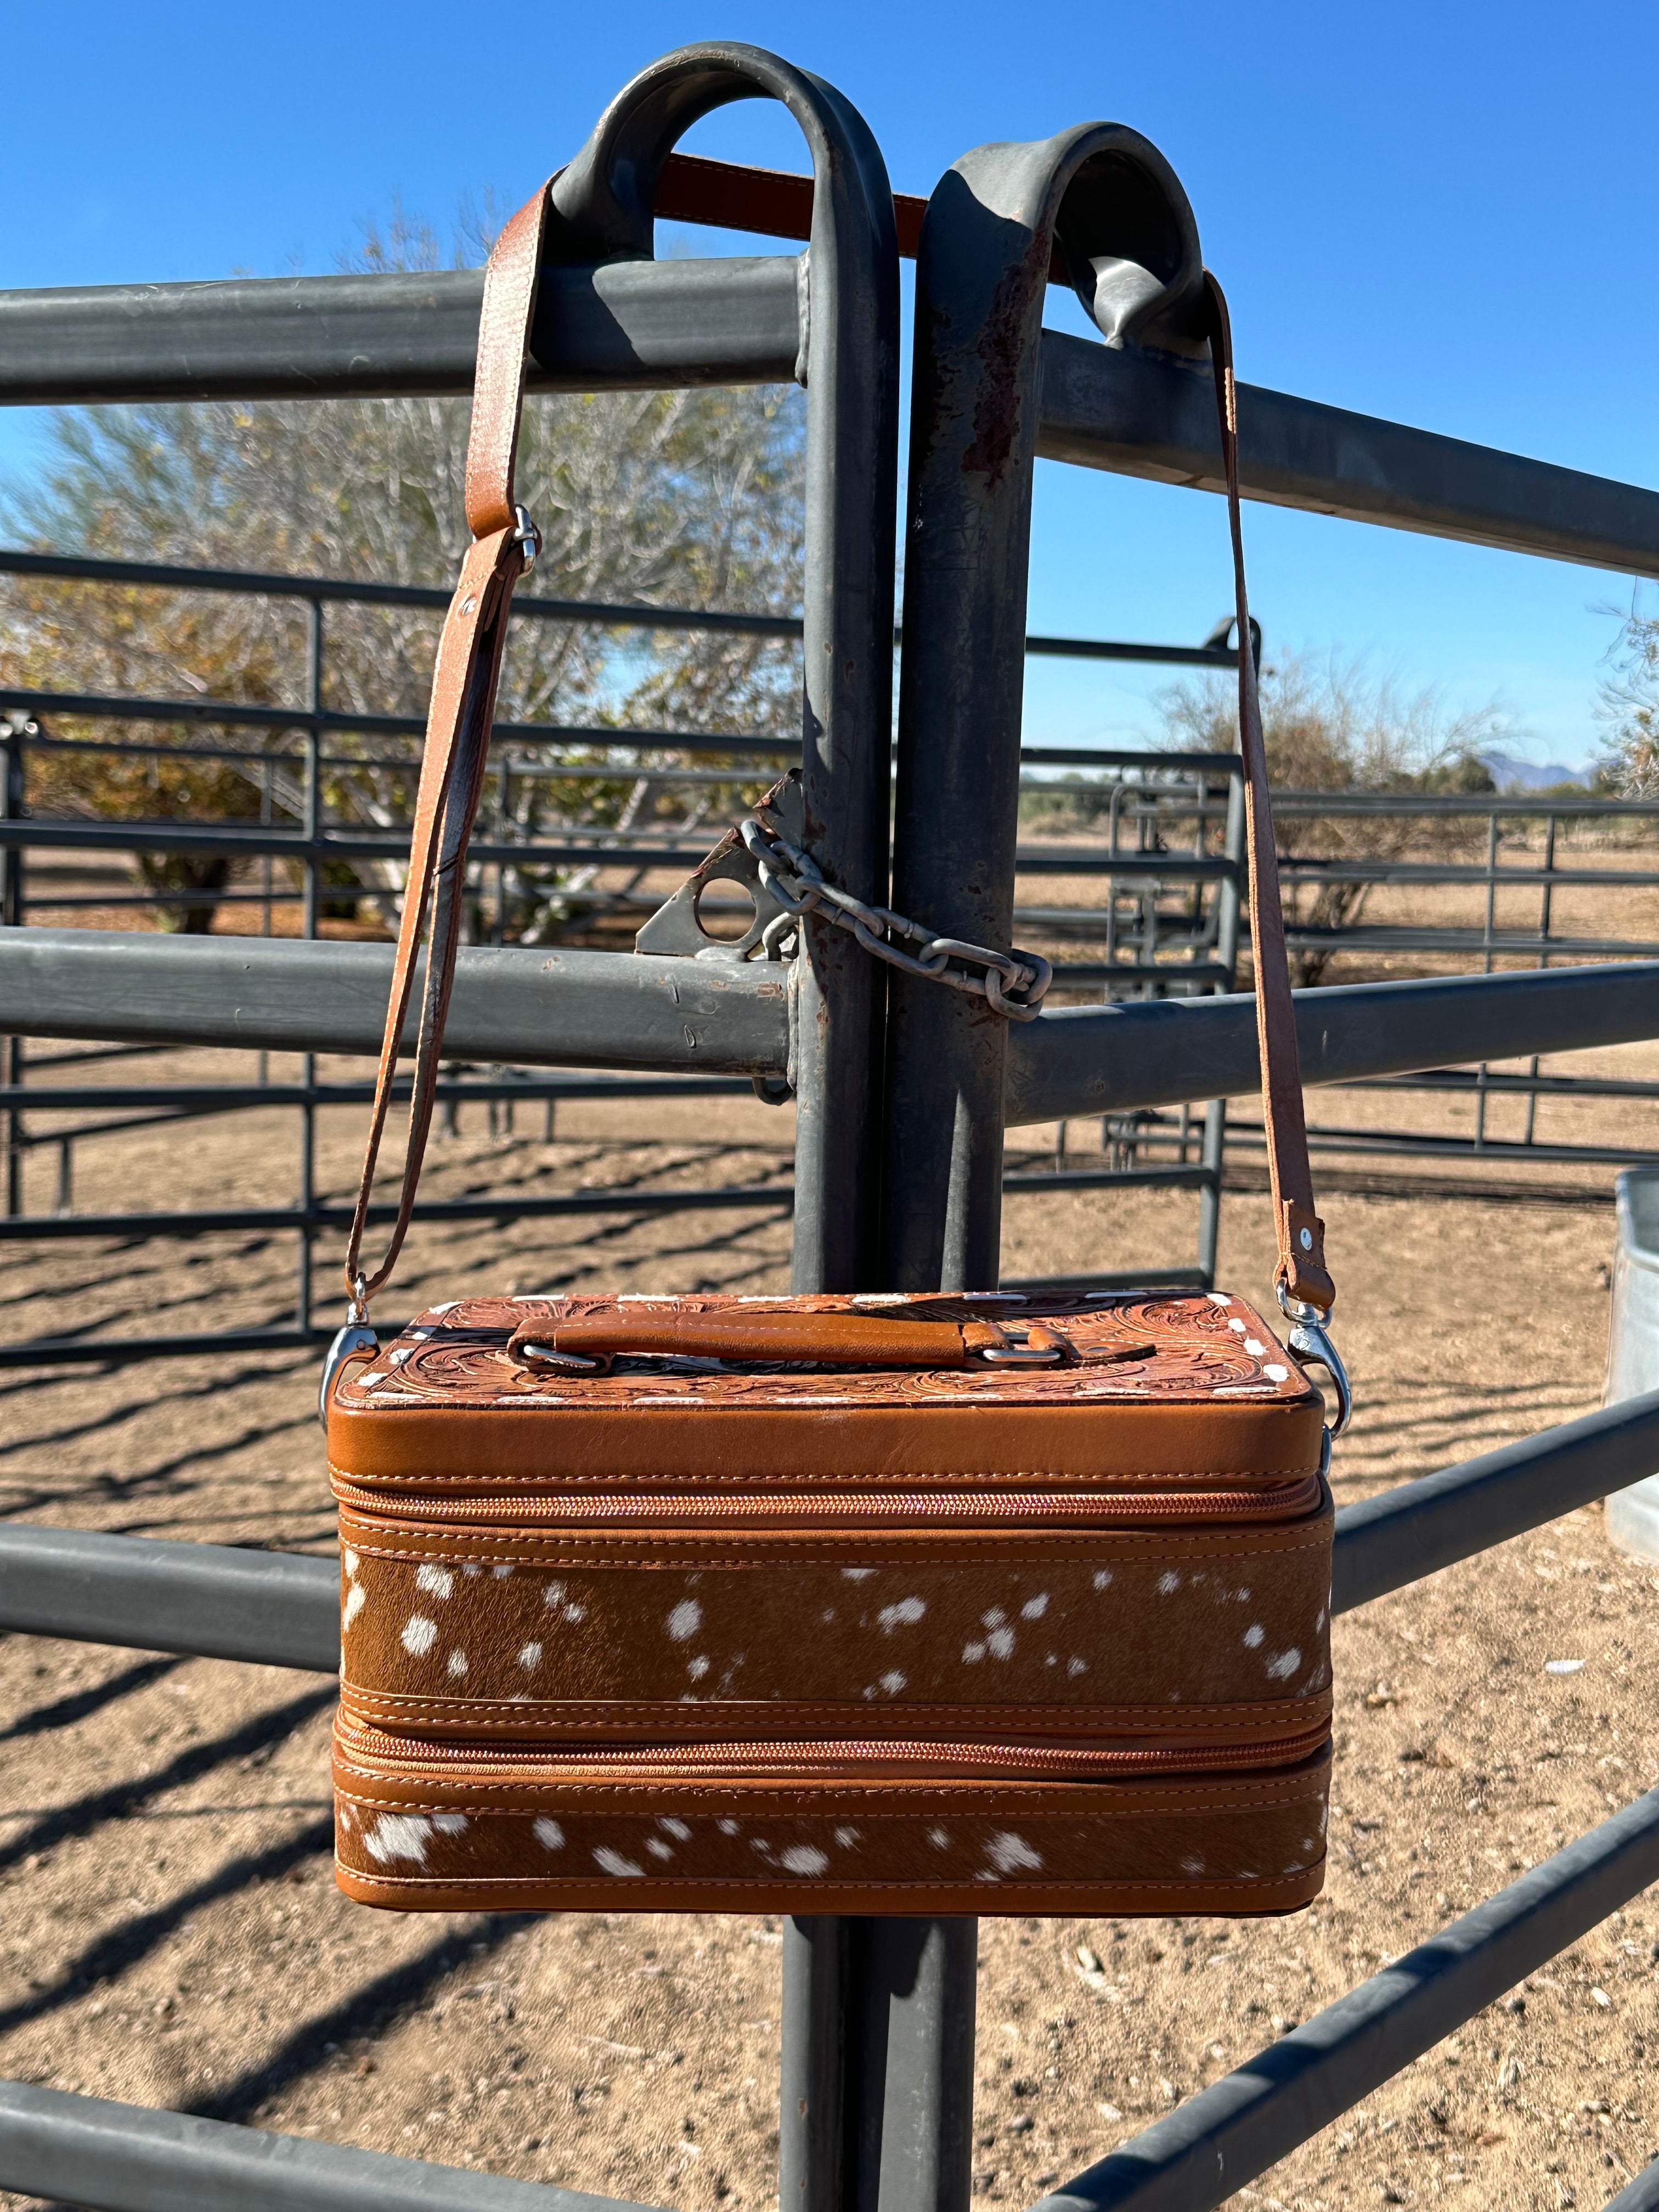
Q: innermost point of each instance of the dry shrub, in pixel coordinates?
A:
(1330, 727)
(692, 499)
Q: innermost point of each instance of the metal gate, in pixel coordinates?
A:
(877, 2015)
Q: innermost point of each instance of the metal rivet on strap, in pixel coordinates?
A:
(467, 604)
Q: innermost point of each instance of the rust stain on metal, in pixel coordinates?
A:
(999, 350)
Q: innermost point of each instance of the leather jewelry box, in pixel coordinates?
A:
(942, 1604)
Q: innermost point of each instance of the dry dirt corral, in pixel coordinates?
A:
(170, 1933)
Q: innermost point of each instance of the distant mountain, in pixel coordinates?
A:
(1511, 773)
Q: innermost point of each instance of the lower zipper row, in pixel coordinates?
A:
(796, 1761)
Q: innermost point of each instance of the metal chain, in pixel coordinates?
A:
(796, 881)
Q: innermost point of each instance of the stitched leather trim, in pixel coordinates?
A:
(1293, 1715)
(736, 1553)
(1151, 1800)
(1093, 1896)
(861, 1479)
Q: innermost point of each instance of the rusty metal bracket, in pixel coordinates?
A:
(678, 929)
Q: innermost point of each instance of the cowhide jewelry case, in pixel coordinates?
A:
(982, 1604)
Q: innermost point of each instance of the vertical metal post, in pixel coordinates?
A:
(852, 520)
(982, 274)
(503, 799)
(1546, 910)
(1215, 1152)
(1487, 937)
(811, 2165)
(850, 364)
(849, 360)
(909, 2144)
(982, 271)
(13, 730)
(879, 2021)
(267, 875)
(314, 800)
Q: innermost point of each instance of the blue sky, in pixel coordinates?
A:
(1443, 214)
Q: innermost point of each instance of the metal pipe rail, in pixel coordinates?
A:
(624, 848)
(620, 614)
(272, 1220)
(587, 1009)
(1643, 2193)
(283, 1609)
(613, 327)
(1222, 2138)
(276, 584)
(93, 2152)
(553, 1008)
(233, 715)
(170, 1099)
(626, 325)
(1145, 414)
(1109, 1060)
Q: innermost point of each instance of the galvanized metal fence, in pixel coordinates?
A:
(1167, 856)
(877, 2015)
(293, 783)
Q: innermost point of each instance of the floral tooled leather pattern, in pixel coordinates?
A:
(1197, 1348)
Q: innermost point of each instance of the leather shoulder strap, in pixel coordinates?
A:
(1301, 1273)
(463, 687)
(457, 723)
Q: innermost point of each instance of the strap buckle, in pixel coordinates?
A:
(1311, 1344)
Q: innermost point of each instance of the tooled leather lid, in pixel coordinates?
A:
(1178, 1350)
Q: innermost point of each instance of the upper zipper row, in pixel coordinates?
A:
(866, 1509)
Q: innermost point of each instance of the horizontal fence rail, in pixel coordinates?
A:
(283, 1609)
(1417, 1528)
(623, 326)
(1145, 415)
(1643, 2194)
(211, 1600)
(93, 2152)
(658, 323)
(1095, 1060)
(620, 614)
(1222, 2138)
(626, 1010)
(592, 1009)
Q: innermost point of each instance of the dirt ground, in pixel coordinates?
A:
(170, 1933)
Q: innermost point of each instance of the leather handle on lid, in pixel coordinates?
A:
(1301, 1274)
(782, 1334)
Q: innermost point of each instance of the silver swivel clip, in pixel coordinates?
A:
(355, 1337)
(1311, 1344)
(526, 534)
